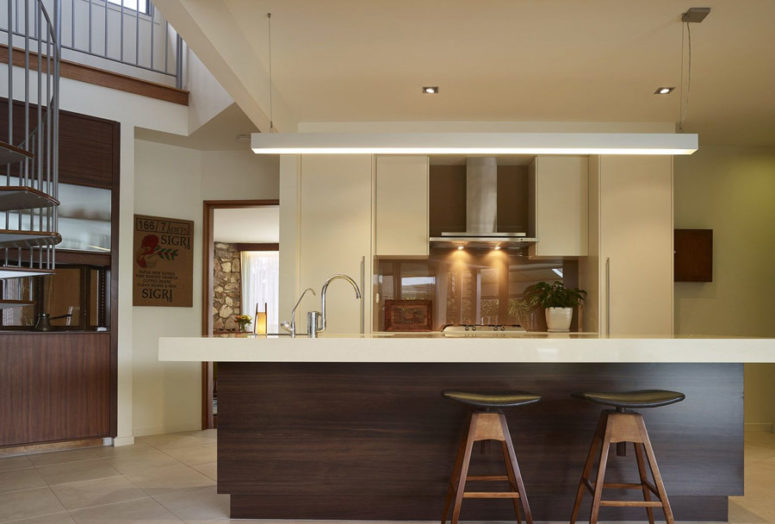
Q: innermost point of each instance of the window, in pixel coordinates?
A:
(133, 5)
(260, 284)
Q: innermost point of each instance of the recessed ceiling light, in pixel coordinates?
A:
(430, 90)
(664, 90)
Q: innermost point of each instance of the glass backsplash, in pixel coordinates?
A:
(467, 286)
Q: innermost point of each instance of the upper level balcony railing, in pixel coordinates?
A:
(130, 37)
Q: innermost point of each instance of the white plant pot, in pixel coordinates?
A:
(558, 318)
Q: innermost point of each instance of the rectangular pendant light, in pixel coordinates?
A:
(475, 143)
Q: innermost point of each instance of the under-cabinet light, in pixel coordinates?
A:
(475, 143)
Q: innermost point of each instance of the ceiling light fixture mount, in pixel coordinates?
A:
(430, 90)
(664, 90)
(695, 15)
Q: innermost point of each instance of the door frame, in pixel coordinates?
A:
(208, 256)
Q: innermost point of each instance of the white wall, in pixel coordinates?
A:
(173, 181)
(732, 191)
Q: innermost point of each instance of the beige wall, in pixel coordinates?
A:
(173, 181)
(732, 191)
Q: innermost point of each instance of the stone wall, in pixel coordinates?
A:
(227, 287)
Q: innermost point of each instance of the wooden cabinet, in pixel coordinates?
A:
(401, 218)
(334, 236)
(55, 386)
(629, 273)
(558, 213)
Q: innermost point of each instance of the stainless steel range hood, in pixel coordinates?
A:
(481, 211)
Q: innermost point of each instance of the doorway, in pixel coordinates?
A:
(239, 277)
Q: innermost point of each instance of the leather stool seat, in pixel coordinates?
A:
(646, 398)
(506, 399)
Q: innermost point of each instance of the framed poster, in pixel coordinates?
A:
(163, 262)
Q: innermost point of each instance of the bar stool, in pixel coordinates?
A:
(619, 427)
(487, 423)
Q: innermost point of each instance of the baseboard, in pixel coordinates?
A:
(163, 430)
(48, 447)
(759, 426)
(123, 441)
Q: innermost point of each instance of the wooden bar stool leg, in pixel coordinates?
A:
(461, 448)
(600, 480)
(591, 455)
(657, 476)
(643, 479)
(517, 473)
(461, 481)
(512, 480)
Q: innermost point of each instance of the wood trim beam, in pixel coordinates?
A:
(253, 246)
(102, 77)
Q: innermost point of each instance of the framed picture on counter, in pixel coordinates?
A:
(408, 315)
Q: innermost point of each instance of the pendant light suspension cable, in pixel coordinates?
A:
(269, 46)
(685, 90)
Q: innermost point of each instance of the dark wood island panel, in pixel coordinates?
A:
(377, 441)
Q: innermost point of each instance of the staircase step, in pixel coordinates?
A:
(26, 239)
(15, 198)
(10, 153)
(20, 272)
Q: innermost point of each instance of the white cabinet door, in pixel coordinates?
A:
(636, 244)
(558, 206)
(334, 232)
(402, 206)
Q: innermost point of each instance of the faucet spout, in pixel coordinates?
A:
(292, 326)
(325, 290)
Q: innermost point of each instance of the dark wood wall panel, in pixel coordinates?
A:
(54, 386)
(693, 258)
(86, 144)
(377, 441)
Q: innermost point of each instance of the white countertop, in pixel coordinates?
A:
(426, 348)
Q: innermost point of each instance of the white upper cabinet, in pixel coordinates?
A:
(334, 236)
(558, 214)
(402, 206)
(636, 244)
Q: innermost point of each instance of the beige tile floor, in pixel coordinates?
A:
(171, 479)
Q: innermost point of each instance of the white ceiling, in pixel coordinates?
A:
(247, 225)
(512, 60)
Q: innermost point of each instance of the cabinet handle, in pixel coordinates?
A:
(608, 296)
(363, 295)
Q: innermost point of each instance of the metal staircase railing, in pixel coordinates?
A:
(29, 152)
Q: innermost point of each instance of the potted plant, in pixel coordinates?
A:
(558, 302)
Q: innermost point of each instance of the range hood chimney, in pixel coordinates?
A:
(481, 211)
(481, 195)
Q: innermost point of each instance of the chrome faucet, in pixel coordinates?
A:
(313, 332)
(291, 326)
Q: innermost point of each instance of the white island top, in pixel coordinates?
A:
(435, 348)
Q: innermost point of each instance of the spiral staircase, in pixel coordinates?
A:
(29, 151)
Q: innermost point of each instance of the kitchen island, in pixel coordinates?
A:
(355, 427)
